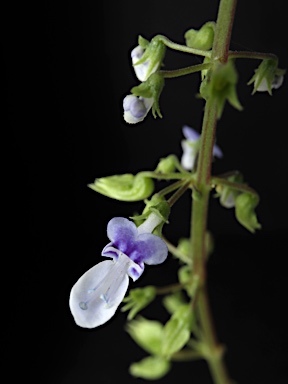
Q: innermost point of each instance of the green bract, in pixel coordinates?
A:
(126, 187)
(201, 39)
(245, 205)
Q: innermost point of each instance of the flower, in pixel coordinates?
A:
(97, 294)
(136, 108)
(142, 70)
(190, 148)
(147, 57)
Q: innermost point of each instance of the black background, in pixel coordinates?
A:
(66, 71)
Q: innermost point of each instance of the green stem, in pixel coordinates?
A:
(183, 48)
(233, 185)
(251, 55)
(185, 71)
(166, 176)
(201, 195)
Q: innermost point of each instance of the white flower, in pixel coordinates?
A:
(136, 108)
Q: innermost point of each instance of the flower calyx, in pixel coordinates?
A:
(267, 76)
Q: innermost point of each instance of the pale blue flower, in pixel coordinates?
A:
(136, 108)
(96, 296)
(190, 148)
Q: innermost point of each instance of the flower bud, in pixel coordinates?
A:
(126, 187)
(147, 57)
(226, 194)
(167, 164)
(202, 39)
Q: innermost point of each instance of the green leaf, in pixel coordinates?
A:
(150, 368)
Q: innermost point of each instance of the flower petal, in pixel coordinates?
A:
(122, 233)
(89, 301)
(190, 133)
(149, 249)
(189, 155)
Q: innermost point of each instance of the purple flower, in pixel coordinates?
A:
(96, 296)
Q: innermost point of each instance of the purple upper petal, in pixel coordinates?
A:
(122, 233)
(124, 236)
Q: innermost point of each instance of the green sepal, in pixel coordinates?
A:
(147, 334)
(151, 88)
(126, 187)
(150, 368)
(220, 85)
(177, 330)
(138, 299)
(156, 204)
(201, 39)
(143, 42)
(245, 205)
